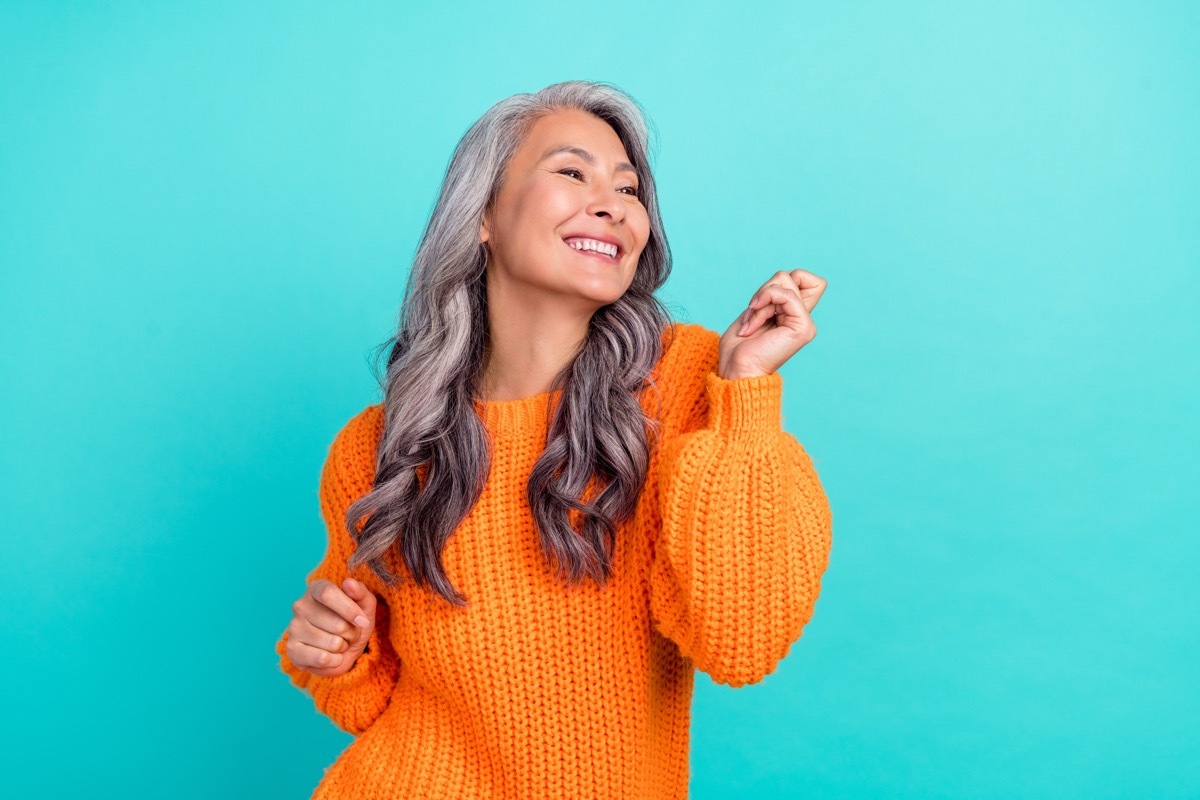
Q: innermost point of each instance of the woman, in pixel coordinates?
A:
(566, 503)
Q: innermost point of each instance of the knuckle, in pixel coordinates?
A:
(327, 593)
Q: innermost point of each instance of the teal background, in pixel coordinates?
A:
(207, 214)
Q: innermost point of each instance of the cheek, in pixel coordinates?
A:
(641, 226)
(534, 207)
(546, 200)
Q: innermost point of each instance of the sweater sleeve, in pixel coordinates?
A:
(746, 531)
(355, 699)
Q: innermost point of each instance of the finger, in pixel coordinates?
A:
(332, 597)
(306, 632)
(318, 617)
(776, 303)
(782, 280)
(359, 593)
(810, 286)
(306, 655)
(760, 308)
(763, 304)
(747, 316)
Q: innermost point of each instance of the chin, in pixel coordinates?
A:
(604, 298)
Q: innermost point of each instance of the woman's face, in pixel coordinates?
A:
(547, 200)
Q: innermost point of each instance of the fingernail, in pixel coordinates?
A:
(742, 330)
(361, 621)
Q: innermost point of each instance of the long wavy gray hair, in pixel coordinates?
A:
(597, 434)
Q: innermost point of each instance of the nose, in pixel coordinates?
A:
(607, 202)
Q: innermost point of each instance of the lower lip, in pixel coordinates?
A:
(595, 255)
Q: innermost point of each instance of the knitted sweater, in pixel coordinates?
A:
(542, 690)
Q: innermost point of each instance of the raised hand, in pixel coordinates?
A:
(774, 326)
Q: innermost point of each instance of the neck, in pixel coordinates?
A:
(530, 343)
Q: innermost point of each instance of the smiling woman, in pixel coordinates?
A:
(564, 235)
(566, 503)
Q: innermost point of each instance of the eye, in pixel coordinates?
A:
(633, 189)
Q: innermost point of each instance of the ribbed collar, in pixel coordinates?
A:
(526, 414)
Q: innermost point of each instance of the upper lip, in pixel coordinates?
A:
(599, 237)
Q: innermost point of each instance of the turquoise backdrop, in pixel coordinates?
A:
(207, 214)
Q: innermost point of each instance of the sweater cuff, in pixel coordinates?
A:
(745, 404)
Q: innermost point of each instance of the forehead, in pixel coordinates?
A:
(572, 127)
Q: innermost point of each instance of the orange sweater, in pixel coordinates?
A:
(540, 690)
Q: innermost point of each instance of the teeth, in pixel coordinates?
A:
(609, 250)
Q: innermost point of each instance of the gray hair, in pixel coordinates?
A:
(433, 458)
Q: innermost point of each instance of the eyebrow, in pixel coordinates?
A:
(589, 159)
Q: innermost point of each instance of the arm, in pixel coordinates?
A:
(746, 531)
(354, 699)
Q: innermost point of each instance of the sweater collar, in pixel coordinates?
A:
(522, 414)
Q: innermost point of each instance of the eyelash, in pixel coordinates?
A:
(572, 169)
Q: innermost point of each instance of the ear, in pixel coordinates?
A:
(484, 234)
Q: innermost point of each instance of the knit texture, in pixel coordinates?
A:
(538, 689)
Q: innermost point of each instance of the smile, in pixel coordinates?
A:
(583, 251)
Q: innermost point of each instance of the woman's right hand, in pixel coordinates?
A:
(330, 626)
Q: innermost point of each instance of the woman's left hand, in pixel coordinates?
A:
(773, 328)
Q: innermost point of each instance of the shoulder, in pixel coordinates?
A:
(690, 353)
(689, 348)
